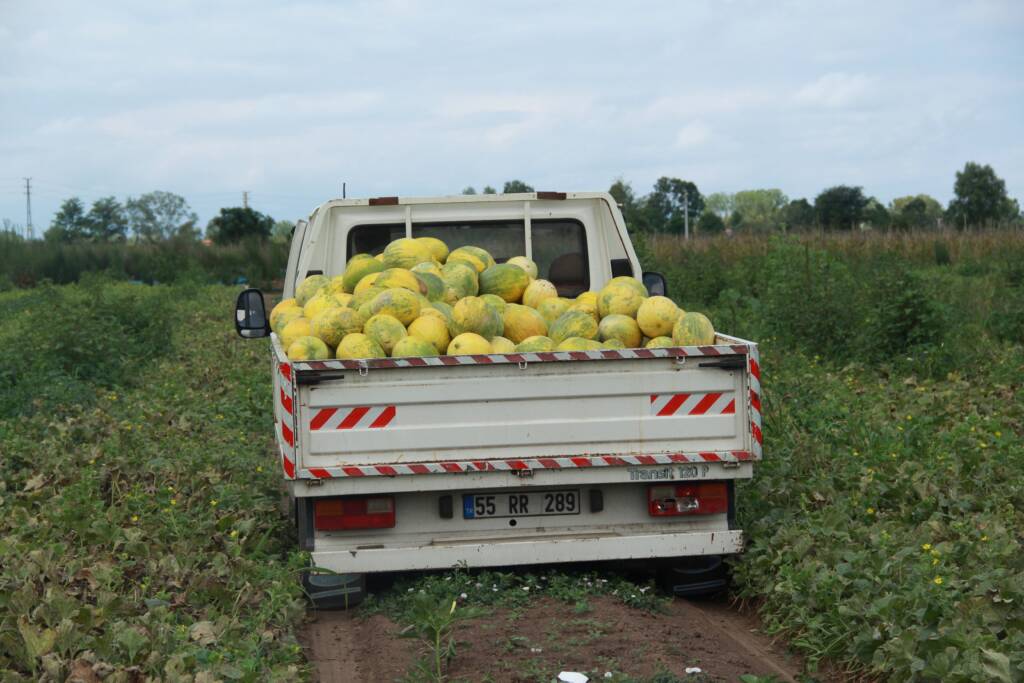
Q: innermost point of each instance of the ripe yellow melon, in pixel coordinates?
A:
(657, 315)
(432, 267)
(502, 345)
(693, 329)
(573, 324)
(536, 344)
(659, 343)
(468, 343)
(622, 328)
(479, 259)
(299, 327)
(308, 348)
(357, 270)
(537, 292)
(438, 249)
(358, 345)
(431, 328)
(413, 346)
(620, 298)
(334, 324)
(462, 278)
(578, 344)
(398, 302)
(550, 309)
(400, 277)
(612, 344)
(526, 264)
(522, 322)
(406, 252)
(473, 314)
(280, 318)
(384, 329)
(310, 286)
(631, 282)
(367, 281)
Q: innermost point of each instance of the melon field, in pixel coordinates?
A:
(142, 538)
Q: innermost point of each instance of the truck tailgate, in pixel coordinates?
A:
(394, 417)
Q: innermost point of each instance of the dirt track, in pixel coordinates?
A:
(536, 643)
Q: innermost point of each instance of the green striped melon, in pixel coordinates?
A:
(431, 329)
(427, 267)
(433, 285)
(612, 344)
(693, 329)
(550, 309)
(357, 270)
(619, 297)
(299, 327)
(507, 281)
(399, 303)
(573, 324)
(539, 291)
(659, 343)
(479, 258)
(399, 277)
(461, 277)
(631, 282)
(384, 329)
(281, 317)
(495, 302)
(472, 314)
(413, 346)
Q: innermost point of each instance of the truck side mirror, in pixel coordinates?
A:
(251, 315)
(655, 284)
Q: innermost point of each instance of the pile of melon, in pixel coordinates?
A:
(418, 299)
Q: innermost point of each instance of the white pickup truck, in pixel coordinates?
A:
(508, 459)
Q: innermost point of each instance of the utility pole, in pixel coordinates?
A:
(686, 212)
(245, 199)
(28, 209)
(343, 189)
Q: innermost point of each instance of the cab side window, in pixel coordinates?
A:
(560, 251)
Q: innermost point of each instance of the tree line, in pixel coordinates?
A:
(157, 217)
(979, 201)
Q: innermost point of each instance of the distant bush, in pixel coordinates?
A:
(59, 344)
(28, 263)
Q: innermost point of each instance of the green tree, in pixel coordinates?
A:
(106, 221)
(798, 215)
(710, 223)
(157, 216)
(760, 208)
(281, 233)
(666, 206)
(912, 215)
(489, 190)
(840, 207)
(632, 208)
(980, 198)
(721, 203)
(512, 186)
(236, 224)
(875, 215)
(69, 223)
(469, 190)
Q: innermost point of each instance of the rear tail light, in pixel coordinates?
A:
(671, 500)
(346, 514)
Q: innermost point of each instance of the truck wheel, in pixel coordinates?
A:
(695, 577)
(334, 591)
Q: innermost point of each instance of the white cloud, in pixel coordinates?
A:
(693, 134)
(835, 90)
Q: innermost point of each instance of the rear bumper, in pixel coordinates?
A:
(524, 551)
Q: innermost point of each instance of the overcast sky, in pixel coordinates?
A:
(288, 99)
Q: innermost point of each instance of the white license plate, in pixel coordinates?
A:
(533, 504)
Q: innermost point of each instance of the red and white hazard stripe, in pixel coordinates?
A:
(500, 358)
(678, 405)
(552, 463)
(286, 419)
(358, 417)
(754, 383)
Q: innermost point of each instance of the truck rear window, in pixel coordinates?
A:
(559, 245)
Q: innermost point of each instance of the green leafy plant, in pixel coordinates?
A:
(433, 623)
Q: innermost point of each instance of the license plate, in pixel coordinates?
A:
(533, 504)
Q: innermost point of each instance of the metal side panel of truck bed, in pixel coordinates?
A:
(408, 424)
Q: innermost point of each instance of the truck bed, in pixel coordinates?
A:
(609, 415)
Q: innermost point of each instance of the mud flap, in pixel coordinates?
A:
(334, 591)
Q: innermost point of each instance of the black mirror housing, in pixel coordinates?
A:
(251, 315)
(655, 284)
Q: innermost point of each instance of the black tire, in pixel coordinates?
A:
(695, 577)
(334, 591)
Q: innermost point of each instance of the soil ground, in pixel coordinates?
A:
(536, 643)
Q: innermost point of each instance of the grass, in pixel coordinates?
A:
(139, 524)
